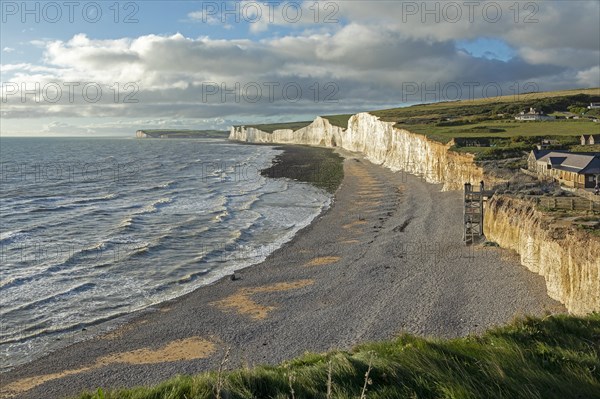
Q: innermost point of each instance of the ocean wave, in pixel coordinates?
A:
(221, 216)
(68, 211)
(156, 205)
(127, 222)
(43, 198)
(84, 200)
(148, 209)
(39, 331)
(11, 237)
(160, 186)
(119, 249)
(74, 260)
(195, 231)
(192, 277)
(52, 298)
(142, 249)
(16, 281)
(217, 249)
(124, 240)
(186, 166)
(196, 205)
(53, 208)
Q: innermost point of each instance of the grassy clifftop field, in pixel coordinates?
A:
(490, 120)
(494, 117)
(553, 357)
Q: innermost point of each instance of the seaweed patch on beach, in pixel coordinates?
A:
(320, 167)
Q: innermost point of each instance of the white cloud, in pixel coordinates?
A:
(204, 17)
(370, 57)
(61, 128)
(589, 77)
(566, 56)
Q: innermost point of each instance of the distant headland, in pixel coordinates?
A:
(181, 134)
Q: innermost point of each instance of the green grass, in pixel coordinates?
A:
(271, 127)
(553, 357)
(495, 147)
(495, 116)
(586, 148)
(472, 150)
(490, 118)
(557, 100)
(507, 129)
(590, 230)
(338, 120)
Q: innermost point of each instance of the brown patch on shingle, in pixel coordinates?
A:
(183, 349)
(242, 301)
(324, 260)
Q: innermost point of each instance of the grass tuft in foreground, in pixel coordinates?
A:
(553, 357)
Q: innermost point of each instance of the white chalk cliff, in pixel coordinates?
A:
(569, 264)
(567, 257)
(382, 144)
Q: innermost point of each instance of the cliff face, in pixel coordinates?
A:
(318, 133)
(382, 144)
(568, 258)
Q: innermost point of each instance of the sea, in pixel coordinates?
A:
(92, 230)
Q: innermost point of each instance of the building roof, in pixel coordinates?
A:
(593, 167)
(556, 160)
(581, 163)
(578, 160)
(538, 154)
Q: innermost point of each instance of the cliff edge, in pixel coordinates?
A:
(382, 144)
(569, 259)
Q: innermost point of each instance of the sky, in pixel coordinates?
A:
(108, 68)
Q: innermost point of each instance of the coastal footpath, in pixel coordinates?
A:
(569, 263)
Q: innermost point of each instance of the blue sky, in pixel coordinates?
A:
(490, 48)
(187, 65)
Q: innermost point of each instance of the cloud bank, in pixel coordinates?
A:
(366, 55)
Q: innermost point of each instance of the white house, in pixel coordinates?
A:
(533, 115)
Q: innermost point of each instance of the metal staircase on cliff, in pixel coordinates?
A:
(473, 213)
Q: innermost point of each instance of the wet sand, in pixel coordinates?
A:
(386, 258)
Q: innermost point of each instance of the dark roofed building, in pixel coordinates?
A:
(578, 170)
(556, 161)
